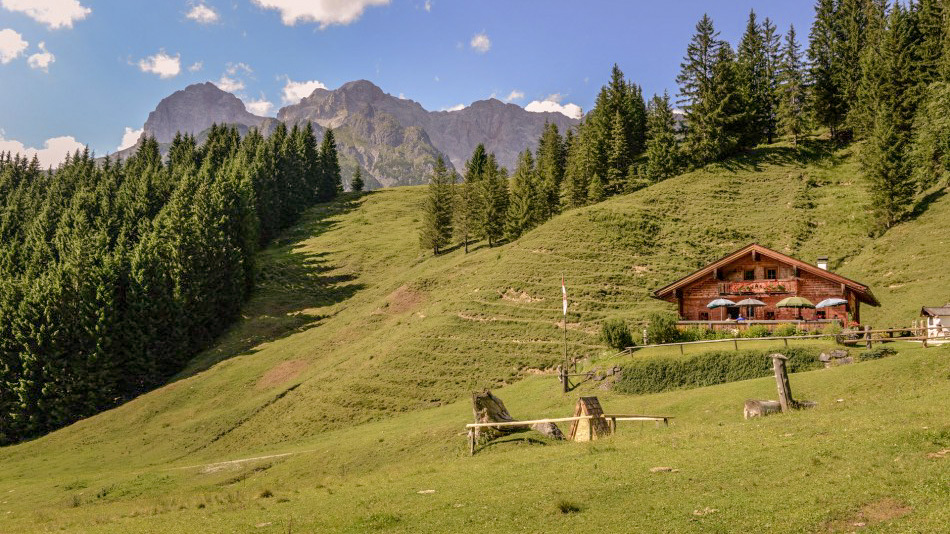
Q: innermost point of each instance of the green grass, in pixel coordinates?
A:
(358, 350)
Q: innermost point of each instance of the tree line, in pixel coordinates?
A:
(114, 274)
(873, 71)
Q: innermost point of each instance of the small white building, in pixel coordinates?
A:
(937, 321)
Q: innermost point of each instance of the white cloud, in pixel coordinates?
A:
(52, 154)
(195, 67)
(42, 59)
(514, 95)
(53, 13)
(130, 137)
(260, 106)
(553, 104)
(230, 81)
(229, 84)
(428, 5)
(11, 45)
(162, 64)
(294, 92)
(456, 107)
(202, 14)
(480, 43)
(323, 12)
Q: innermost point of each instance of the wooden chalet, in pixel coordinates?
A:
(763, 274)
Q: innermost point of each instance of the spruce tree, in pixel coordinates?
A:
(356, 184)
(826, 95)
(595, 191)
(753, 76)
(791, 90)
(551, 161)
(696, 85)
(437, 208)
(331, 183)
(662, 155)
(527, 201)
(581, 164)
(772, 41)
(494, 201)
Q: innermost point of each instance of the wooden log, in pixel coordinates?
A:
(760, 408)
(488, 408)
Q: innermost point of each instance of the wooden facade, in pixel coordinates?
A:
(763, 274)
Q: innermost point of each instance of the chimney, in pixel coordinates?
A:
(823, 262)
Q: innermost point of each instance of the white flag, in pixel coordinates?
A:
(564, 293)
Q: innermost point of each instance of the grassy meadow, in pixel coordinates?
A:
(349, 373)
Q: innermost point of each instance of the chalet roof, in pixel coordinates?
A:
(936, 311)
(861, 291)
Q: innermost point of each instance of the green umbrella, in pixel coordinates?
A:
(795, 302)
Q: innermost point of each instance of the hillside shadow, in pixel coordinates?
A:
(808, 152)
(925, 202)
(292, 287)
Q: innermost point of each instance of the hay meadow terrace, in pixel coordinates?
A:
(343, 391)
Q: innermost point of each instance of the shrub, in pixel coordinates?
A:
(757, 330)
(615, 334)
(832, 329)
(662, 328)
(786, 329)
(692, 334)
(715, 367)
(878, 353)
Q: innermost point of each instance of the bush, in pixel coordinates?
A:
(832, 329)
(784, 330)
(615, 334)
(662, 328)
(757, 330)
(692, 334)
(709, 368)
(878, 353)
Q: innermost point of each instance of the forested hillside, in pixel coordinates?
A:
(113, 276)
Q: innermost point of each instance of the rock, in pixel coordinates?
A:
(663, 470)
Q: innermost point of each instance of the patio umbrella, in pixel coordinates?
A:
(751, 303)
(827, 303)
(720, 303)
(795, 302)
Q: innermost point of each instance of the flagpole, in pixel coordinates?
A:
(566, 364)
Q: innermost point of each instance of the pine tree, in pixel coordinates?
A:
(356, 184)
(662, 154)
(581, 162)
(437, 210)
(494, 201)
(618, 154)
(886, 154)
(595, 191)
(772, 41)
(753, 75)
(551, 161)
(728, 112)
(331, 182)
(825, 96)
(527, 200)
(696, 86)
(791, 108)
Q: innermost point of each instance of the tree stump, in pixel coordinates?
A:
(488, 408)
(761, 408)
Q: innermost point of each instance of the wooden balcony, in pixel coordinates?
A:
(759, 287)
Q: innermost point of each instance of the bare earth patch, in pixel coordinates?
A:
(281, 373)
(403, 300)
(519, 296)
(870, 514)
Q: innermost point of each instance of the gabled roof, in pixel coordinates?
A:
(938, 311)
(862, 292)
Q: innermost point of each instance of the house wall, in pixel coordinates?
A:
(696, 296)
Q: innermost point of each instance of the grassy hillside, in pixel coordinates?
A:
(357, 351)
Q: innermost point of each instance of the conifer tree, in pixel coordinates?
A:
(331, 183)
(826, 95)
(468, 206)
(494, 201)
(791, 90)
(696, 85)
(595, 191)
(437, 210)
(662, 154)
(527, 200)
(753, 74)
(772, 41)
(551, 161)
(356, 184)
(581, 165)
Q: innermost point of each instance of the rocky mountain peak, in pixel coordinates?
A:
(194, 109)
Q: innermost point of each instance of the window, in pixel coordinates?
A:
(770, 316)
(703, 316)
(749, 275)
(820, 314)
(771, 274)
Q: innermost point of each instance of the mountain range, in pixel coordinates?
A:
(394, 140)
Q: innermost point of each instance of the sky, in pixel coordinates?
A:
(87, 72)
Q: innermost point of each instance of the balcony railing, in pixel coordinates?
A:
(758, 287)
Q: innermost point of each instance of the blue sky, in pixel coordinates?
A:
(103, 65)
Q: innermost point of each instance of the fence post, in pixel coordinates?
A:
(781, 381)
(645, 339)
(867, 336)
(735, 342)
(785, 339)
